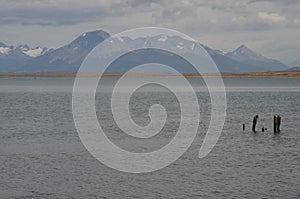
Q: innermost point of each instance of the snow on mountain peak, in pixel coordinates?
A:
(244, 50)
(120, 39)
(180, 45)
(4, 50)
(163, 38)
(34, 52)
(244, 53)
(193, 46)
(25, 49)
(22, 46)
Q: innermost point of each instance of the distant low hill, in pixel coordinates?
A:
(294, 69)
(68, 58)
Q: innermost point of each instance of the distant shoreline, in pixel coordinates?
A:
(294, 74)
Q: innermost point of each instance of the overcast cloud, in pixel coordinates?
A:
(270, 27)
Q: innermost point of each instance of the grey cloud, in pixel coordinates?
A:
(282, 2)
(226, 5)
(65, 12)
(30, 12)
(260, 21)
(136, 3)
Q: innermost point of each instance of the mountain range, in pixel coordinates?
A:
(68, 58)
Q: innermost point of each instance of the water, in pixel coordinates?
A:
(41, 155)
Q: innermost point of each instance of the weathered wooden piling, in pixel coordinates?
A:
(255, 119)
(278, 123)
(275, 123)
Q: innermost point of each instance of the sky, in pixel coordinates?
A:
(269, 27)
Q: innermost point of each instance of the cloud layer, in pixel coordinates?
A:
(222, 24)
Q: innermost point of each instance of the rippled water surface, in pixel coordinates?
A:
(41, 155)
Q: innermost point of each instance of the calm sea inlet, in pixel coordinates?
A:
(41, 155)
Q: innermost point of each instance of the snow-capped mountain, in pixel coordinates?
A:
(245, 55)
(69, 57)
(4, 49)
(20, 58)
(25, 49)
(13, 59)
(33, 52)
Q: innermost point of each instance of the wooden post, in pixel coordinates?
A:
(254, 123)
(278, 123)
(275, 123)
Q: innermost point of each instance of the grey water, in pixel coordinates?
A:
(41, 155)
